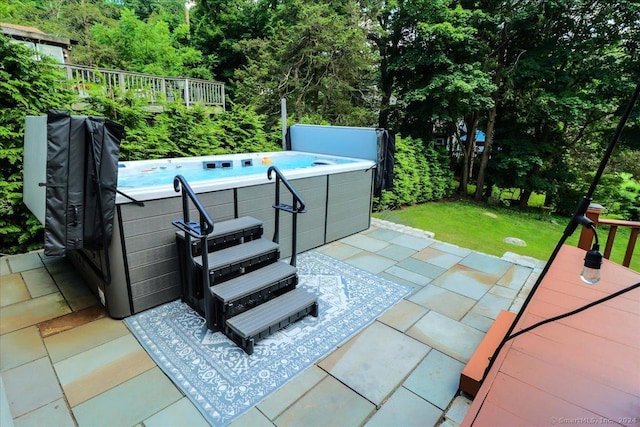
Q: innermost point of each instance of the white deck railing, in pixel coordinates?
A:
(154, 88)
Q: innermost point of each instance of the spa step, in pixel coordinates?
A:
(267, 318)
(226, 233)
(231, 260)
(238, 295)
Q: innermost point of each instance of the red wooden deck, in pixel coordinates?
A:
(584, 369)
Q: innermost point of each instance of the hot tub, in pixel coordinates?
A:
(144, 268)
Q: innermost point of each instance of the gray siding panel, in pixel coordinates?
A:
(157, 284)
(156, 298)
(349, 204)
(150, 258)
(150, 271)
(257, 202)
(150, 243)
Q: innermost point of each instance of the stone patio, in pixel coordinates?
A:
(63, 362)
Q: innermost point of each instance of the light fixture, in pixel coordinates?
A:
(593, 259)
(592, 262)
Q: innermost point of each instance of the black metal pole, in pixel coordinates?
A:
(573, 223)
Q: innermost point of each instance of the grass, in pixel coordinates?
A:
(483, 228)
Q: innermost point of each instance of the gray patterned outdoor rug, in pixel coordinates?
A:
(221, 379)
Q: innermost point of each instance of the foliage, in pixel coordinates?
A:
(171, 11)
(316, 56)
(146, 47)
(565, 71)
(218, 25)
(442, 75)
(545, 80)
(420, 174)
(178, 131)
(27, 87)
(66, 18)
(478, 227)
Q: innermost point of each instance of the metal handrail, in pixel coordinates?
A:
(199, 231)
(297, 207)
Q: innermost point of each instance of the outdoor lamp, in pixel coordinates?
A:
(593, 259)
(592, 262)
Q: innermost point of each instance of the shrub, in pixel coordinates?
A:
(27, 87)
(420, 174)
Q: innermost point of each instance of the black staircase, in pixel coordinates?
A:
(238, 284)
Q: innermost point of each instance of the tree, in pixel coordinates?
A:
(563, 68)
(316, 55)
(65, 18)
(147, 47)
(173, 12)
(27, 87)
(218, 25)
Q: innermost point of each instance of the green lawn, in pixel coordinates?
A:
(483, 228)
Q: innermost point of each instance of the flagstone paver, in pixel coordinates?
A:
(72, 320)
(180, 413)
(55, 414)
(130, 402)
(339, 250)
(421, 267)
(403, 315)
(13, 290)
(77, 294)
(445, 302)
(83, 338)
(458, 409)
(252, 418)
(410, 276)
(4, 266)
(405, 409)
(396, 252)
(436, 379)
(490, 305)
(20, 347)
(515, 277)
(329, 403)
(275, 404)
(55, 264)
(87, 374)
(447, 335)
(24, 262)
(365, 242)
(39, 282)
(417, 243)
(466, 281)
(31, 386)
(31, 312)
(370, 262)
(486, 263)
(400, 281)
(452, 249)
(359, 362)
(384, 234)
(503, 292)
(477, 321)
(438, 258)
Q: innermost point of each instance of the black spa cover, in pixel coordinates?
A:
(383, 179)
(81, 178)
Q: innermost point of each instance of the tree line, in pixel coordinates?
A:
(544, 80)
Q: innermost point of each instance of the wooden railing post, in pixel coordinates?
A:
(586, 235)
